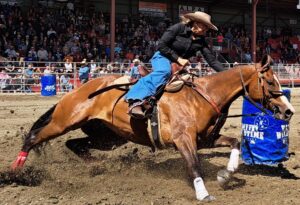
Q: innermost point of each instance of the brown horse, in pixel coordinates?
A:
(187, 117)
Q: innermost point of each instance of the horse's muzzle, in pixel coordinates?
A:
(285, 115)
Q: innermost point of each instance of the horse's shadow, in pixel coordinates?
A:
(270, 171)
(169, 168)
(98, 137)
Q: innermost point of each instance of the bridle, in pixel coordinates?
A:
(267, 92)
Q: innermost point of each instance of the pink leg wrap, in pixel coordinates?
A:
(18, 164)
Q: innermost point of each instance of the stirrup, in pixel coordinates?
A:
(136, 115)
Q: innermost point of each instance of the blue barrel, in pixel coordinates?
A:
(48, 85)
(264, 139)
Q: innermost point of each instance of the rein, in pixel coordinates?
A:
(115, 86)
(204, 95)
(246, 95)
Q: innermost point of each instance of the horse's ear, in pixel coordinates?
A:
(265, 63)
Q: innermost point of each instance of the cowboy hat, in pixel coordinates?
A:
(136, 61)
(83, 61)
(201, 17)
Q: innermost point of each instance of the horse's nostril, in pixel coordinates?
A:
(288, 112)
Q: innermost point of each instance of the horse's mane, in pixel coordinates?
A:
(235, 69)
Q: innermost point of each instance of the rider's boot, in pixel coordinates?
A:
(136, 110)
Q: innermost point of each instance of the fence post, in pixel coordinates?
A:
(74, 76)
(23, 78)
(293, 75)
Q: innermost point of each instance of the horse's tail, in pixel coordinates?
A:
(43, 120)
(38, 125)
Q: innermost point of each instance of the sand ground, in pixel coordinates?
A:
(132, 174)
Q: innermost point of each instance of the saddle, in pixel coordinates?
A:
(175, 83)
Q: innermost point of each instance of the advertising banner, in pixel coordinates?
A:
(183, 9)
(152, 7)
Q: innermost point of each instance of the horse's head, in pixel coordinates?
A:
(269, 92)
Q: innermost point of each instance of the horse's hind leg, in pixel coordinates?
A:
(35, 137)
(224, 175)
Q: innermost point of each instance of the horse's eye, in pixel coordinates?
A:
(276, 94)
(269, 82)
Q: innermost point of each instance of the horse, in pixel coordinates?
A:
(188, 116)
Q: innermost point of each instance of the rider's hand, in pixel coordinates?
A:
(182, 61)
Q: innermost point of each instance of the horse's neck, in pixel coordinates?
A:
(226, 86)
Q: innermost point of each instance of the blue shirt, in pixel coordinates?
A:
(84, 72)
(134, 72)
(29, 72)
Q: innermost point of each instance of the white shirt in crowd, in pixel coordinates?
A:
(93, 67)
(68, 67)
(47, 71)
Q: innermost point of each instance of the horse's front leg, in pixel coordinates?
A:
(187, 146)
(225, 175)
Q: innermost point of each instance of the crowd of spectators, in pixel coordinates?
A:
(282, 44)
(55, 35)
(50, 35)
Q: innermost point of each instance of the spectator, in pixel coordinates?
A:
(11, 53)
(220, 39)
(9, 68)
(84, 72)
(68, 64)
(247, 56)
(4, 80)
(134, 71)
(51, 33)
(32, 55)
(48, 71)
(130, 55)
(29, 77)
(42, 54)
(58, 55)
(70, 6)
(64, 83)
(229, 35)
(93, 69)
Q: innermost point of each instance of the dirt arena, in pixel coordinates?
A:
(132, 174)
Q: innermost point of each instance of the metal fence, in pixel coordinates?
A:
(25, 77)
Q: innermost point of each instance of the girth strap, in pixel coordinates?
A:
(154, 129)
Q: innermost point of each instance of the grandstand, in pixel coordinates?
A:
(46, 33)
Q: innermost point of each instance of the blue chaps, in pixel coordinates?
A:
(147, 86)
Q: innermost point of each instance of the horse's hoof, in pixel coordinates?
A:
(209, 198)
(223, 177)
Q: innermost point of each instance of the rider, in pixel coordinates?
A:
(180, 42)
